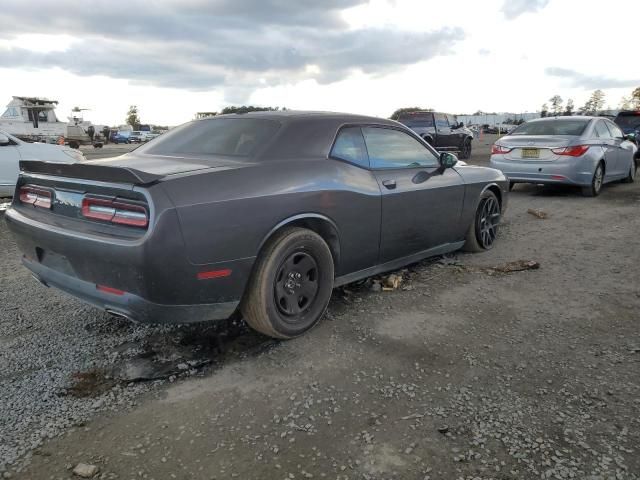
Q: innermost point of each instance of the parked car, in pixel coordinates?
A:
(122, 137)
(138, 136)
(135, 138)
(629, 123)
(583, 151)
(13, 150)
(441, 130)
(265, 212)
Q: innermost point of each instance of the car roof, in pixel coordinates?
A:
(286, 116)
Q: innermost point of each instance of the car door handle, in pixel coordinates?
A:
(389, 184)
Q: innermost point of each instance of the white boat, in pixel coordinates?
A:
(34, 118)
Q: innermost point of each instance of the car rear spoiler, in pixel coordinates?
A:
(87, 171)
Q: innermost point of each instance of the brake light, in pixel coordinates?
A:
(38, 197)
(575, 151)
(115, 211)
(499, 149)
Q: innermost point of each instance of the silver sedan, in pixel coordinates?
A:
(583, 151)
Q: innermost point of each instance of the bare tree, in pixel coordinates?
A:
(556, 104)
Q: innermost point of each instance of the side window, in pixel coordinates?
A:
(349, 146)
(452, 121)
(441, 120)
(615, 131)
(389, 148)
(601, 130)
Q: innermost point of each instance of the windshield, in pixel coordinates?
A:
(552, 127)
(235, 137)
(628, 121)
(416, 120)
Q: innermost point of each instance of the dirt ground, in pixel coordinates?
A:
(463, 372)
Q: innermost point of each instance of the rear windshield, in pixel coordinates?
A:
(552, 127)
(419, 120)
(233, 137)
(628, 121)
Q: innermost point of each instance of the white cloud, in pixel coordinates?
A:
(491, 63)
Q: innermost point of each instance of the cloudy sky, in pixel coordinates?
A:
(173, 58)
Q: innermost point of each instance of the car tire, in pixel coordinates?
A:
(483, 231)
(594, 189)
(465, 152)
(632, 172)
(291, 284)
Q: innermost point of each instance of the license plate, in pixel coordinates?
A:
(530, 153)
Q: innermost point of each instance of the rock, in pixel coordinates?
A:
(376, 286)
(443, 429)
(85, 470)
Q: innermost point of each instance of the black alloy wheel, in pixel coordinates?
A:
(296, 284)
(487, 222)
(483, 231)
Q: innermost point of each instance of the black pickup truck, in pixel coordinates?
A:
(441, 130)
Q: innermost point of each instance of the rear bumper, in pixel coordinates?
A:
(557, 172)
(155, 281)
(126, 304)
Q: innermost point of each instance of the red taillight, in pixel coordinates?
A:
(115, 211)
(575, 151)
(37, 197)
(499, 149)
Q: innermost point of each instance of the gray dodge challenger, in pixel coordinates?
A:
(261, 213)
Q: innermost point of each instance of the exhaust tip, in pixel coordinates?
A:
(118, 314)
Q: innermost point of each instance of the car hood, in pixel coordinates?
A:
(162, 165)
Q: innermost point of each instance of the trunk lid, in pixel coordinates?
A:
(107, 196)
(534, 148)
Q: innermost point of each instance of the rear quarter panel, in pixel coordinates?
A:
(228, 215)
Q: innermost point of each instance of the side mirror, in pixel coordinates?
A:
(448, 160)
(4, 140)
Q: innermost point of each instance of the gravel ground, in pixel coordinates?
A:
(463, 372)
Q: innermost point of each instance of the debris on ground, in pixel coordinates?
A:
(391, 282)
(85, 470)
(147, 369)
(538, 212)
(515, 266)
(4, 206)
